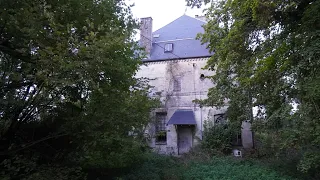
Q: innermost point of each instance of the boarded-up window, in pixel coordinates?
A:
(177, 84)
(161, 133)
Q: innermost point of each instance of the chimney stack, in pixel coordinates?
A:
(146, 34)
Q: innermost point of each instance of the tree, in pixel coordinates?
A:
(266, 55)
(68, 92)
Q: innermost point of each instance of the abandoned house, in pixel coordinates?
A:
(174, 63)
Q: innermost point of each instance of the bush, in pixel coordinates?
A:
(218, 138)
(19, 167)
(155, 167)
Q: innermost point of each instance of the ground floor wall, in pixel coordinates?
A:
(172, 131)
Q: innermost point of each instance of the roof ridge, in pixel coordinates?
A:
(196, 18)
(199, 19)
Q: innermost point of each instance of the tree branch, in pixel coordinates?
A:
(32, 144)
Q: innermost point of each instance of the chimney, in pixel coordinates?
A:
(146, 34)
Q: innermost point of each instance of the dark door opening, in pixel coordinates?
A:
(185, 138)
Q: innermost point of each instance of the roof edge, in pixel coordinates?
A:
(171, 59)
(198, 19)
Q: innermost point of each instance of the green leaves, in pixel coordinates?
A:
(193, 167)
(67, 67)
(266, 54)
(218, 137)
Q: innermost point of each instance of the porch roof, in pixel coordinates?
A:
(182, 117)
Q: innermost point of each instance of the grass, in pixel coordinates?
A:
(228, 168)
(199, 166)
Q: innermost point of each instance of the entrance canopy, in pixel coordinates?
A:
(182, 117)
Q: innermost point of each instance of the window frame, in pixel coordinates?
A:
(160, 128)
(168, 49)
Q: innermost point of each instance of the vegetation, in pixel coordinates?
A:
(195, 167)
(218, 138)
(266, 56)
(70, 107)
(68, 96)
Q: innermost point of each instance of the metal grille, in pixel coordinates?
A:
(161, 133)
(161, 122)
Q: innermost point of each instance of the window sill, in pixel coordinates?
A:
(161, 143)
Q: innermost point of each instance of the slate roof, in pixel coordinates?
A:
(182, 33)
(182, 117)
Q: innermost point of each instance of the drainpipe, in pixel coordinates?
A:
(194, 84)
(201, 124)
(201, 121)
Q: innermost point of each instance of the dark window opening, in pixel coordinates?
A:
(161, 133)
(237, 141)
(168, 47)
(219, 118)
(202, 77)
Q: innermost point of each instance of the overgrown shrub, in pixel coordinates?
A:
(19, 167)
(218, 137)
(155, 167)
(269, 151)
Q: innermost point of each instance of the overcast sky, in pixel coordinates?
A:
(162, 11)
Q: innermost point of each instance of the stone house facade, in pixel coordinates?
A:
(174, 69)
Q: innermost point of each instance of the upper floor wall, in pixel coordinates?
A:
(178, 82)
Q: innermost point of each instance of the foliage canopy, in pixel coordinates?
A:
(68, 92)
(267, 57)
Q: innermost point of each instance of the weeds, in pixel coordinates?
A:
(199, 165)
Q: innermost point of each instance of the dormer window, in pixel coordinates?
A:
(168, 47)
(156, 35)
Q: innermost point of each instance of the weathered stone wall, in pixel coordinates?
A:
(162, 75)
(246, 135)
(146, 34)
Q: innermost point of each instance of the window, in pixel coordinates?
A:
(237, 140)
(202, 77)
(219, 119)
(168, 47)
(177, 84)
(161, 133)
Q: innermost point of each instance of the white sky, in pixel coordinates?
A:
(162, 11)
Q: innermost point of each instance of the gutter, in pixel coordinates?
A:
(170, 59)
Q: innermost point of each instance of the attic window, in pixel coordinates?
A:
(168, 47)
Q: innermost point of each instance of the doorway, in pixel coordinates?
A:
(185, 138)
